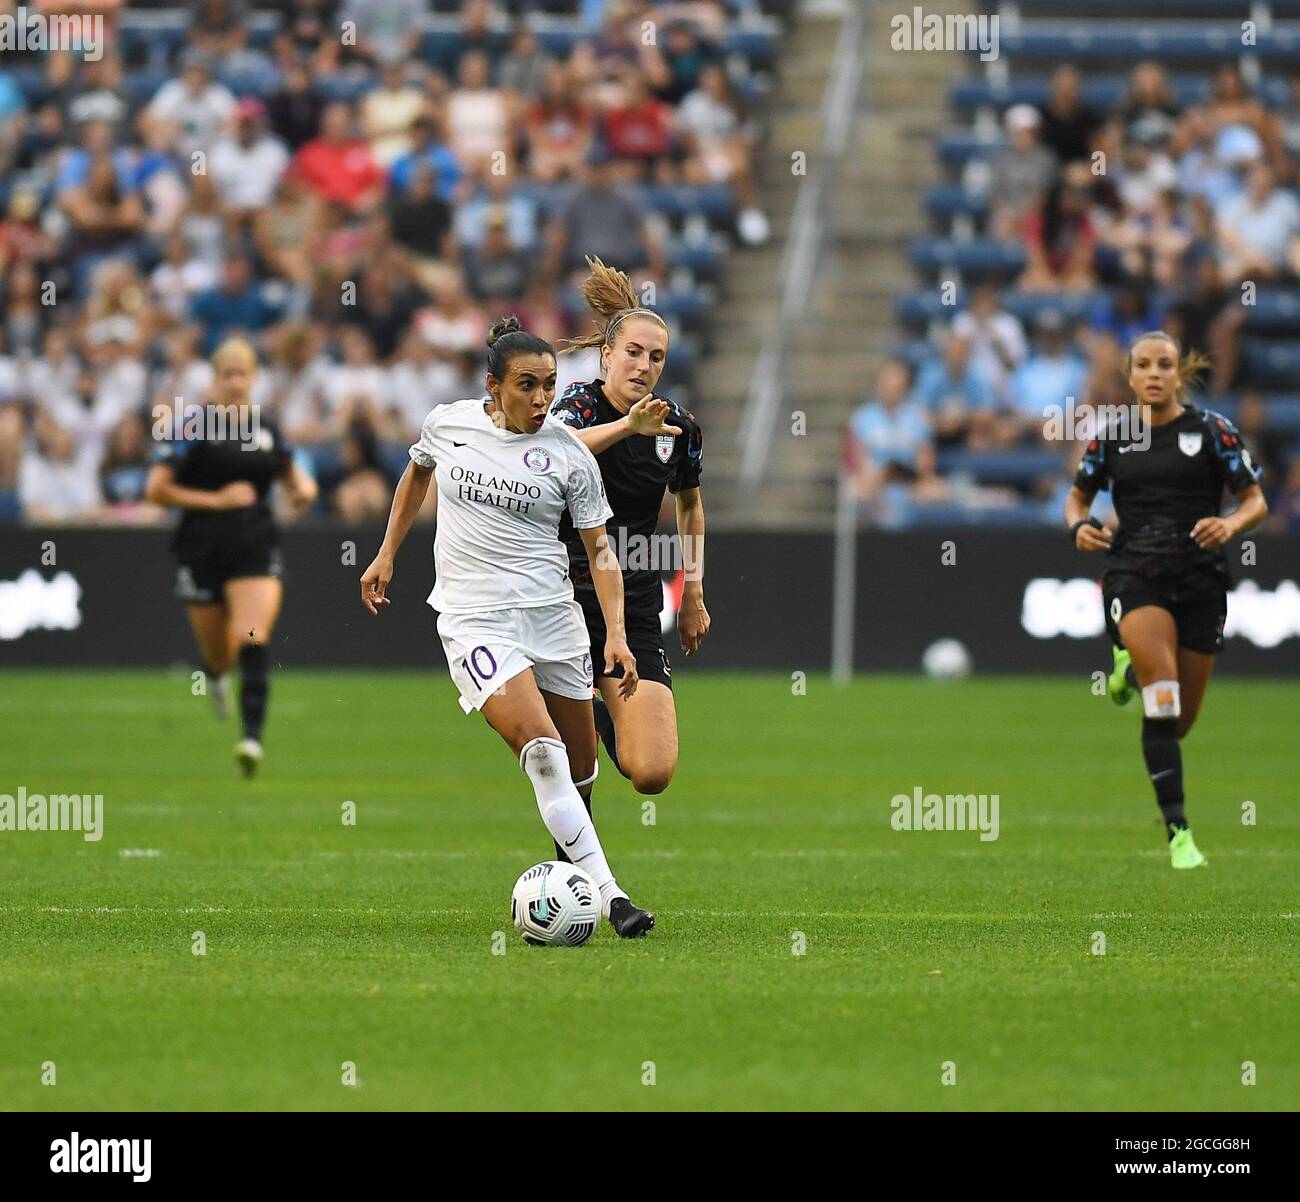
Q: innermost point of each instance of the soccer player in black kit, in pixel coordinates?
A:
(643, 445)
(1166, 582)
(226, 545)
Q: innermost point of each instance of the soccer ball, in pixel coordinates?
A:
(555, 905)
(946, 659)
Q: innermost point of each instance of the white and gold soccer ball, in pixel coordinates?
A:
(555, 905)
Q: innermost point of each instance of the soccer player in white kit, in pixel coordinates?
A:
(515, 638)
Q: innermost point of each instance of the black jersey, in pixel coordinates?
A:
(210, 464)
(1162, 490)
(635, 471)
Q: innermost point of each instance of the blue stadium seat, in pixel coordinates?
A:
(977, 258)
(1275, 364)
(1018, 468)
(1100, 92)
(1274, 311)
(1117, 41)
(947, 201)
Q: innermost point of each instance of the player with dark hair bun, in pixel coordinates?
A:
(1165, 587)
(514, 637)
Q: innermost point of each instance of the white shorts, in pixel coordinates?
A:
(485, 650)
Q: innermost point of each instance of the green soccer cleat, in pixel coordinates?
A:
(1118, 688)
(1183, 852)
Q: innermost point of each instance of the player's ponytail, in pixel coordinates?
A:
(1191, 366)
(611, 298)
(506, 339)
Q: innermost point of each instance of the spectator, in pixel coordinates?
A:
(58, 480)
(25, 316)
(452, 325)
(125, 466)
(388, 113)
(427, 148)
(1053, 374)
(891, 441)
(364, 494)
(956, 395)
(638, 133)
(419, 218)
(246, 166)
(1145, 171)
(497, 194)
(1022, 172)
(1069, 126)
(355, 388)
(338, 166)
(285, 232)
(476, 37)
(1061, 237)
(497, 271)
(418, 382)
(386, 31)
(295, 110)
(558, 127)
(479, 116)
(604, 222)
(721, 142)
(1256, 230)
(525, 68)
(294, 387)
(237, 304)
(191, 109)
(997, 339)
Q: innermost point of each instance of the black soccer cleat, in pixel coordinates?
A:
(605, 729)
(629, 921)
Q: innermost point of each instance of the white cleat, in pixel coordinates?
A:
(248, 755)
(220, 696)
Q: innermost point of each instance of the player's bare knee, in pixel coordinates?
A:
(651, 779)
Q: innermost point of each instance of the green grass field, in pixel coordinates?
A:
(373, 943)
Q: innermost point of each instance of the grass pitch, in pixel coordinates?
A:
(373, 945)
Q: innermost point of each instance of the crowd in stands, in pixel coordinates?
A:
(357, 199)
(1094, 225)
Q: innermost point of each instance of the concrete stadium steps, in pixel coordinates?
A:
(848, 325)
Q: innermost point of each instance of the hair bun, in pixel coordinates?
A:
(501, 327)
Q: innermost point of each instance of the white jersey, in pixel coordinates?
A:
(500, 499)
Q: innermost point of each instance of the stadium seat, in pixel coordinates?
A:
(1018, 468)
(1274, 364)
(976, 258)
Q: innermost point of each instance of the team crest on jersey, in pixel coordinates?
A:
(1190, 444)
(664, 447)
(537, 460)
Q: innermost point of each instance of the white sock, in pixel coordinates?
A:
(547, 764)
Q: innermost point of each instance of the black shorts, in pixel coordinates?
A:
(1199, 607)
(644, 638)
(201, 575)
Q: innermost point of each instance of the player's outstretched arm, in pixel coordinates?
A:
(647, 416)
(407, 499)
(607, 576)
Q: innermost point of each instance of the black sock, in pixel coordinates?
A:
(254, 687)
(1164, 759)
(560, 853)
(605, 729)
(1131, 677)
